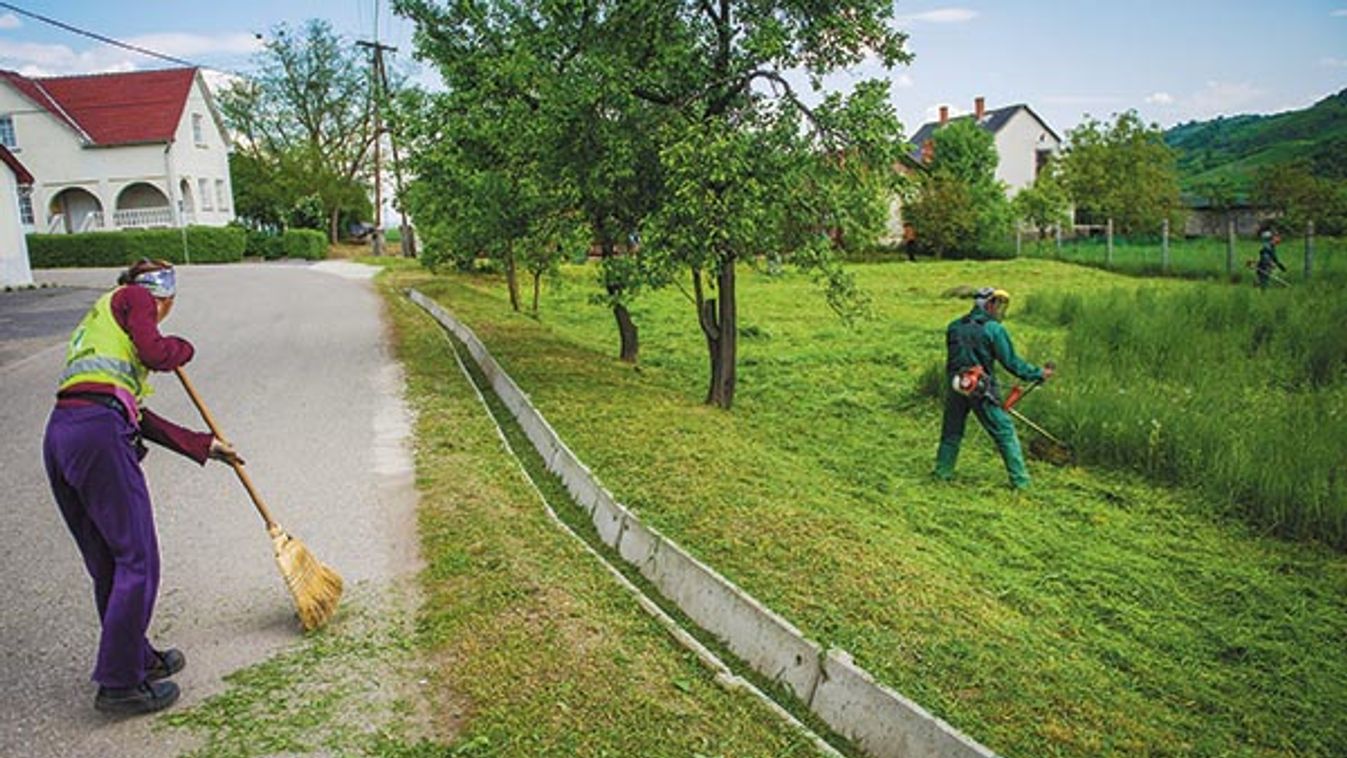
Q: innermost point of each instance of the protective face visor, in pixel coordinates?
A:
(989, 297)
(162, 283)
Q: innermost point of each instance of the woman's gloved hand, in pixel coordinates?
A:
(223, 451)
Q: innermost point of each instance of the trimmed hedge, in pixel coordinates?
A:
(309, 244)
(205, 244)
(264, 245)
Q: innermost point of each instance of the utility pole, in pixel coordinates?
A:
(377, 97)
(379, 89)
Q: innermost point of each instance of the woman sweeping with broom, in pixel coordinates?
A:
(92, 451)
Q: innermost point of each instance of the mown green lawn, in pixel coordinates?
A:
(1097, 614)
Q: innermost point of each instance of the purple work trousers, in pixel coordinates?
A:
(90, 454)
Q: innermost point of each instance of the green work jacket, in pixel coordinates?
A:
(979, 339)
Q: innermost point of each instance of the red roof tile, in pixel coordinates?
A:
(113, 109)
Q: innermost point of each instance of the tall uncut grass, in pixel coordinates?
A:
(1240, 392)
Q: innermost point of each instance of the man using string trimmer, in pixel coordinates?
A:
(975, 343)
(1267, 258)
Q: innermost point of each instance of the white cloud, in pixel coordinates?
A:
(1333, 62)
(903, 81)
(1340, 13)
(1160, 98)
(940, 16)
(1218, 98)
(39, 59)
(10, 21)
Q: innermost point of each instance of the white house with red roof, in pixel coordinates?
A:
(139, 149)
(14, 178)
(1024, 141)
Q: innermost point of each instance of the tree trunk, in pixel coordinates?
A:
(630, 344)
(332, 226)
(719, 318)
(537, 275)
(626, 331)
(512, 280)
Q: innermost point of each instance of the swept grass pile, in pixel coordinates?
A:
(1098, 615)
(1240, 392)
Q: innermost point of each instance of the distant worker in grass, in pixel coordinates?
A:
(1267, 258)
(976, 342)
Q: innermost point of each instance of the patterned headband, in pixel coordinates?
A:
(161, 283)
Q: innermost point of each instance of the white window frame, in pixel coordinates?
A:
(198, 130)
(203, 189)
(26, 216)
(13, 137)
(221, 196)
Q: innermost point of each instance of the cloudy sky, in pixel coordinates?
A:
(1172, 61)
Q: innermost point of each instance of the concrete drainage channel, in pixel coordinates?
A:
(878, 720)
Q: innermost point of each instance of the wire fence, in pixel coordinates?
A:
(1233, 257)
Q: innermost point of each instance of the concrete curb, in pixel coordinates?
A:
(876, 718)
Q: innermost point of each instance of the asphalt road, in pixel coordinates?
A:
(293, 362)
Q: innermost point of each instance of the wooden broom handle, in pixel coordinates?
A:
(215, 430)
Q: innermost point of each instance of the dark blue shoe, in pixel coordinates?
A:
(132, 701)
(167, 663)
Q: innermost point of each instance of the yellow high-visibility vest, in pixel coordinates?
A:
(101, 351)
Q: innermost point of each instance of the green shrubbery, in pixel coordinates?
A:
(204, 244)
(309, 244)
(1240, 392)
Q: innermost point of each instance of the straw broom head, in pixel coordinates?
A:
(315, 587)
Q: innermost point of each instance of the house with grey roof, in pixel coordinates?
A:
(1024, 141)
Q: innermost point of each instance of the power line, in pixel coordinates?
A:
(110, 41)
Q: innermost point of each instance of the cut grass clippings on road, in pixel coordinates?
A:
(538, 651)
(1097, 615)
(350, 689)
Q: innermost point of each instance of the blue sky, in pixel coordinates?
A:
(1172, 61)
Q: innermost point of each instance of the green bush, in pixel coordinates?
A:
(309, 244)
(203, 244)
(262, 244)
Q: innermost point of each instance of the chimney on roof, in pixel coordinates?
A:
(979, 108)
(944, 115)
(927, 150)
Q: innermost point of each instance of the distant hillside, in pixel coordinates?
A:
(1232, 149)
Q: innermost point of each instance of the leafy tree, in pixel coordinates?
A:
(304, 118)
(750, 169)
(1300, 197)
(961, 207)
(1044, 204)
(943, 215)
(1123, 171)
(726, 162)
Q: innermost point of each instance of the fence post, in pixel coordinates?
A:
(1309, 249)
(1019, 242)
(1164, 247)
(1108, 251)
(1230, 247)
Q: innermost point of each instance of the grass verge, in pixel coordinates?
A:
(537, 651)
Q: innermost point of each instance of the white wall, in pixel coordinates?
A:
(14, 269)
(209, 161)
(1017, 146)
(57, 158)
